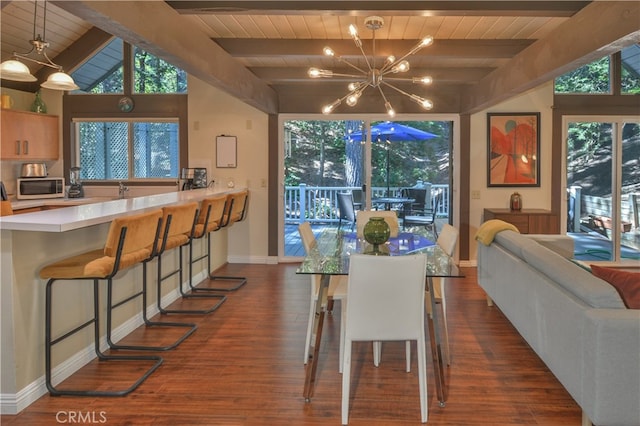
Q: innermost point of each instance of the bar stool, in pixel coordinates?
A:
(235, 211)
(179, 224)
(210, 219)
(129, 241)
(111, 305)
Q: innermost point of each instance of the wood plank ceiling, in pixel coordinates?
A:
(260, 51)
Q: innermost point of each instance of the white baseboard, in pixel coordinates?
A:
(16, 402)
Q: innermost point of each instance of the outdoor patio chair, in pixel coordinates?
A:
(426, 218)
(346, 209)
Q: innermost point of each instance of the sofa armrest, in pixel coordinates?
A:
(611, 376)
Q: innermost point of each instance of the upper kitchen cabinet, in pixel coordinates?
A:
(29, 136)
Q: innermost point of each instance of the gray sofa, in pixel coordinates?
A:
(575, 322)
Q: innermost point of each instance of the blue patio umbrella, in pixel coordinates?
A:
(389, 131)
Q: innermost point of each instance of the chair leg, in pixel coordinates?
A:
(111, 306)
(443, 303)
(343, 329)
(346, 382)
(422, 377)
(50, 342)
(240, 280)
(184, 295)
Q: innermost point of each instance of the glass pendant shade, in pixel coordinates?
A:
(60, 81)
(15, 71)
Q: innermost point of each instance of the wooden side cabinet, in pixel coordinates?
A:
(29, 136)
(528, 221)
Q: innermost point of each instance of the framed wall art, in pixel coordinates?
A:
(513, 149)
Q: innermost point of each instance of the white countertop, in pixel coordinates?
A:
(96, 213)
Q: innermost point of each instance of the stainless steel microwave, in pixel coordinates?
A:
(34, 188)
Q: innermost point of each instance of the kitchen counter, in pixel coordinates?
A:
(91, 213)
(30, 241)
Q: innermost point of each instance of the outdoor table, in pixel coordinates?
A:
(388, 201)
(331, 256)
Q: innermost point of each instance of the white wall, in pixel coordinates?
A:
(213, 113)
(540, 100)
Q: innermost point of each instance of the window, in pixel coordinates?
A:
(154, 75)
(116, 150)
(630, 70)
(103, 72)
(592, 78)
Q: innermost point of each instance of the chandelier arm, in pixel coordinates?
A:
(355, 67)
(397, 89)
(49, 64)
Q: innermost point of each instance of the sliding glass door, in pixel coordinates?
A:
(367, 158)
(603, 187)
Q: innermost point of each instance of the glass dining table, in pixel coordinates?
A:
(331, 255)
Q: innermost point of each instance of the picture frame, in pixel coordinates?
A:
(513, 149)
(226, 151)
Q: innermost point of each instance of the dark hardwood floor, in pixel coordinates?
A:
(243, 366)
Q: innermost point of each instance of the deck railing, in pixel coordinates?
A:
(319, 204)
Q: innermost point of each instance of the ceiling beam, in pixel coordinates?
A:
(602, 28)
(465, 76)
(245, 48)
(397, 8)
(173, 38)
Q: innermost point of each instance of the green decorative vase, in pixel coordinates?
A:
(376, 232)
(38, 104)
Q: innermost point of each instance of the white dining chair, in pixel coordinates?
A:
(363, 216)
(385, 302)
(337, 291)
(447, 240)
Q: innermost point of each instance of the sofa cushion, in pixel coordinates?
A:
(627, 283)
(582, 284)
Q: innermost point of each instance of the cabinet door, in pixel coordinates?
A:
(29, 136)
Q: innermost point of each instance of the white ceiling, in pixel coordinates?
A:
(278, 41)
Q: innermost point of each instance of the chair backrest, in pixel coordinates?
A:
(306, 234)
(236, 209)
(211, 215)
(436, 204)
(385, 297)
(420, 197)
(389, 216)
(346, 209)
(142, 233)
(178, 225)
(448, 239)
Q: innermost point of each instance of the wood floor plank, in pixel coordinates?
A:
(243, 366)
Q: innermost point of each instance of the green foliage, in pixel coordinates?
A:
(590, 78)
(155, 75)
(320, 154)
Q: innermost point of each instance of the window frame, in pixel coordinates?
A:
(75, 144)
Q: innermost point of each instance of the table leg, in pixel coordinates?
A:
(436, 350)
(318, 322)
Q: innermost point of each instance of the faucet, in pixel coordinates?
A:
(122, 189)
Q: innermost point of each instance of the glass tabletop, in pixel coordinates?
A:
(333, 249)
